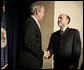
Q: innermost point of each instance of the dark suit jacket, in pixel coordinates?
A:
(30, 53)
(66, 46)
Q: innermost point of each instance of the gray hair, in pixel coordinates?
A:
(37, 6)
(68, 17)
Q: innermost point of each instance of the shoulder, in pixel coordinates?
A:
(29, 20)
(74, 30)
(55, 33)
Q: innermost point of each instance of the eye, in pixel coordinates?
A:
(59, 17)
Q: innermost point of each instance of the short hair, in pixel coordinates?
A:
(37, 6)
(68, 17)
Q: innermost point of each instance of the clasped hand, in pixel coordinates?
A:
(46, 54)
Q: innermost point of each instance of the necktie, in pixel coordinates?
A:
(61, 32)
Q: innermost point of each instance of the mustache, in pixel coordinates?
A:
(59, 21)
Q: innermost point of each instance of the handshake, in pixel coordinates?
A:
(46, 54)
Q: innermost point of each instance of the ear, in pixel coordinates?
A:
(67, 20)
(37, 12)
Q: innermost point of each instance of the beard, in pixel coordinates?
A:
(61, 25)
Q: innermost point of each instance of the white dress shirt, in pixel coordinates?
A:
(64, 29)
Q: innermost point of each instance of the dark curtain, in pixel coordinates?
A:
(16, 12)
(13, 21)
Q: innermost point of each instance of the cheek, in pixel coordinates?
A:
(63, 21)
(41, 16)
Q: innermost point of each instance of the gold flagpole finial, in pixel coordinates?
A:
(3, 6)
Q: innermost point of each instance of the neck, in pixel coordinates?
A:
(36, 16)
(64, 28)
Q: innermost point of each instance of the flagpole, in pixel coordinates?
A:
(3, 6)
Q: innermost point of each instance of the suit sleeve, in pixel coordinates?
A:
(50, 46)
(76, 49)
(32, 41)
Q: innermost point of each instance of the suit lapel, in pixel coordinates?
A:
(35, 23)
(37, 27)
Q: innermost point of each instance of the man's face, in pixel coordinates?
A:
(62, 20)
(41, 14)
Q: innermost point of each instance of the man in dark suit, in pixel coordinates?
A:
(65, 44)
(30, 55)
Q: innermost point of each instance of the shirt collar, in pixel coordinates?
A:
(64, 28)
(35, 20)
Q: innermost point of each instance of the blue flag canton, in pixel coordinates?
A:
(3, 21)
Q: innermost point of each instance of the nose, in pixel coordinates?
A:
(58, 18)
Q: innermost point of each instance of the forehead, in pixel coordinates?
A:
(62, 16)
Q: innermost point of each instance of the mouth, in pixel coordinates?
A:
(59, 22)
